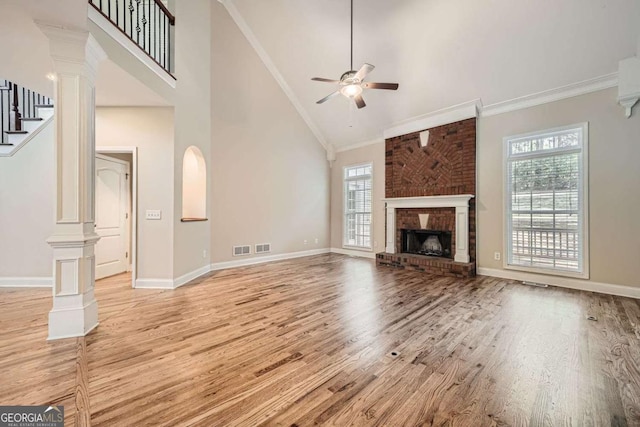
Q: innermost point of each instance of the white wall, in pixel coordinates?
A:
(128, 62)
(26, 208)
(25, 49)
(151, 130)
(369, 154)
(614, 180)
(270, 177)
(193, 125)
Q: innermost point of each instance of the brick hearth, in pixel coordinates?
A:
(433, 265)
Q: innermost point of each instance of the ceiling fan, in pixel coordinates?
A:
(352, 82)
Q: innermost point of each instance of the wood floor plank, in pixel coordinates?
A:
(330, 340)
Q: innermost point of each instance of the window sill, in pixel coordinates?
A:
(193, 219)
(548, 272)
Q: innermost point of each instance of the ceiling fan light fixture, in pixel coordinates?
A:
(351, 90)
(352, 83)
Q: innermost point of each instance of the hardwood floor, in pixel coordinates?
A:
(333, 340)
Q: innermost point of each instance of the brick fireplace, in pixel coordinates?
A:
(432, 172)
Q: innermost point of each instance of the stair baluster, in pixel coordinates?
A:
(17, 105)
(4, 108)
(147, 23)
(17, 123)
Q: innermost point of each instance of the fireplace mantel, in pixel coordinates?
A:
(460, 202)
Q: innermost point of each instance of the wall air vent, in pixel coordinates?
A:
(263, 247)
(241, 250)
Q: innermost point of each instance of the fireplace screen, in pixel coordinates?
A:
(427, 242)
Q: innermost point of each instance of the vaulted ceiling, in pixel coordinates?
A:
(442, 52)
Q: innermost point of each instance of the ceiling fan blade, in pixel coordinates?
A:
(359, 101)
(363, 71)
(320, 79)
(326, 98)
(371, 85)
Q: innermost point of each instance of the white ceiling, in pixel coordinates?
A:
(67, 13)
(441, 52)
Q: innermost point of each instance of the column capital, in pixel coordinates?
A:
(73, 50)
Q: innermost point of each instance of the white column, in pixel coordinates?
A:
(75, 55)
(462, 234)
(391, 230)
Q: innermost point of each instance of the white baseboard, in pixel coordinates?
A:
(269, 258)
(353, 252)
(26, 282)
(186, 278)
(154, 284)
(564, 282)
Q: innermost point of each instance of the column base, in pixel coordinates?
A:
(70, 322)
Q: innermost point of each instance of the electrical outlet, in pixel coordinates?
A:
(316, 240)
(305, 241)
(204, 253)
(153, 214)
(496, 256)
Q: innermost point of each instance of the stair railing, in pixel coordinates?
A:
(148, 23)
(18, 104)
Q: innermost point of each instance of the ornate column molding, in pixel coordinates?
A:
(76, 56)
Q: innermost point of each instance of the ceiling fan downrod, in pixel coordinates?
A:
(351, 83)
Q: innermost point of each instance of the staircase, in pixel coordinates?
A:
(23, 113)
(147, 23)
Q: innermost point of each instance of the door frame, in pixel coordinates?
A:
(134, 201)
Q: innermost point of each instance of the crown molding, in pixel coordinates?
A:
(360, 145)
(466, 110)
(569, 91)
(266, 59)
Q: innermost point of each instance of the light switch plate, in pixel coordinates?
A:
(154, 214)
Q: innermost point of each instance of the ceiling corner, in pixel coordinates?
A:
(266, 60)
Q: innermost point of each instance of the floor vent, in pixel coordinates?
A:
(538, 285)
(263, 247)
(241, 250)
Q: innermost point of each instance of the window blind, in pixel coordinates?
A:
(357, 206)
(545, 203)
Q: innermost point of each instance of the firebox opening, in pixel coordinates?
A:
(426, 242)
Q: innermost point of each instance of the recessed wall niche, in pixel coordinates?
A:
(194, 185)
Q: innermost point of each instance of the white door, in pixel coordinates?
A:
(112, 216)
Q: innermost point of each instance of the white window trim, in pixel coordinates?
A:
(344, 201)
(584, 274)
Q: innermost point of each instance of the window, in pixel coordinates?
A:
(546, 201)
(357, 206)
